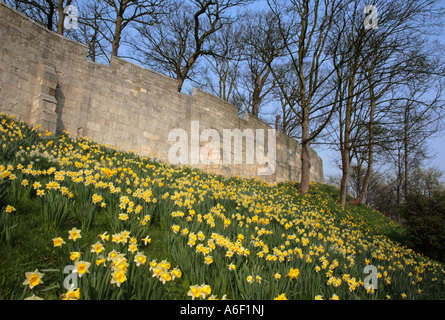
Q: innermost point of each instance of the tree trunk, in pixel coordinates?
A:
(117, 36)
(345, 176)
(305, 155)
(256, 101)
(345, 151)
(364, 188)
(405, 156)
(50, 16)
(180, 82)
(277, 122)
(259, 85)
(61, 21)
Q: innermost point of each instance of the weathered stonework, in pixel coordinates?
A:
(46, 79)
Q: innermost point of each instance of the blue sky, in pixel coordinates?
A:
(436, 145)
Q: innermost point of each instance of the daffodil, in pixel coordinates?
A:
(100, 260)
(97, 247)
(82, 267)
(104, 236)
(281, 297)
(334, 297)
(194, 292)
(146, 240)
(58, 242)
(165, 264)
(176, 273)
(206, 290)
(96, 198)
(118, 277)
(120, 263)
(71, 295)
(33, 278)
(165, 277)
(123, 216)
(75, 255)
(36, 185)
(208, 260)
(9, 209)
(293, 273)
(140, 258)
(74, 234)
(112, 255)
(132, 248)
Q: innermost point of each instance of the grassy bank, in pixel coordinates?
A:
(149, 230)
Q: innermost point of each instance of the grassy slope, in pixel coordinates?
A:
(275, 222)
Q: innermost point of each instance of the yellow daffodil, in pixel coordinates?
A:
(293, 273)
(33, 278)
(71, 295)
(165, 277)
(100, 260)
(74, 234)
(58, 242)
(9, 209)
(97, 247)
(82, 267)
(176, 273)
(74, 256)
(206, 290)
(208, 260)
(118, 277)
(281, 297)
(194, 292)
(146, 240)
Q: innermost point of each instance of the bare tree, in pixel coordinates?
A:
(304, 27)
(174, 46)
(380, 64)
(92, 30)
(416, 116)
(123, 13)
(50, 13)
(221, 72)
(261, 45)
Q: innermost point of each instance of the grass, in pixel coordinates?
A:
(229, 237)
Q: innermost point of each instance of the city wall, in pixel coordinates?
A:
(46, 79)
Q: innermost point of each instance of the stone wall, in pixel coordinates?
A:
(46, 79)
